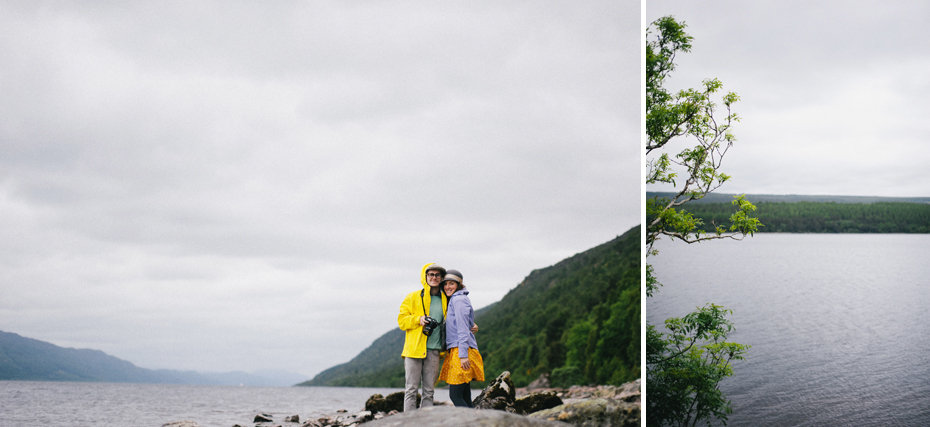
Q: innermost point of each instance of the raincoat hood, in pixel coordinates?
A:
(429, 266)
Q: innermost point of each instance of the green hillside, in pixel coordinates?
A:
(578, 320)
(376, 366)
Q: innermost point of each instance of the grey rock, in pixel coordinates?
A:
(262, 418)
(292, 419)
(364, 416)
(450, 416)
(535, 402)
(597, 412)
(541, 382)
(629, 392)
(181, 424)
(500, 394)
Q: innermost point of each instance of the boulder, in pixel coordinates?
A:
(292, 419)
(393, 402)
(534, 402)
(629, 392)
(597, 412)
(500, 394)
(262, 418)
(450, 416)
(541, 382)
(364, 416)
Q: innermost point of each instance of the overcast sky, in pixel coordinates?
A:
(834, 94)
(225, 186)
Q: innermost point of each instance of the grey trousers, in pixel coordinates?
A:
(417, 370)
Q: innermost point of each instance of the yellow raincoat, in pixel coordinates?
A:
(409, 318)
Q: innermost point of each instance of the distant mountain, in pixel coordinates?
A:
(578, 320)
(757, 198)
(28, 359)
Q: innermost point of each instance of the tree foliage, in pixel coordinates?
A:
(685, 365)
(688, 113)
(688, 364)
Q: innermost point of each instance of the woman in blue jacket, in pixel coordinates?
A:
(463, 363)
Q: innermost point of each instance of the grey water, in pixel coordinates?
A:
(839, 324)
(54, 404)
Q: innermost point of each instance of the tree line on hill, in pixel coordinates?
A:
(578, 321)
(825, 217)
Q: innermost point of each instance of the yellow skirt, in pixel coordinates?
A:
(452, 372)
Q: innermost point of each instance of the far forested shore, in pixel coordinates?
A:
(824, 217)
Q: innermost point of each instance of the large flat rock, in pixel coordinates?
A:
(447, 416)
(594, 413)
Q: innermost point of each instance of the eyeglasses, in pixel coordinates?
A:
(433, 275)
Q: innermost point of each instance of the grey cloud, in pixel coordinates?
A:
(221, 177)
(831, 94)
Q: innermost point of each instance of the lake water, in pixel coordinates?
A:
(45, 404)
(839, 324)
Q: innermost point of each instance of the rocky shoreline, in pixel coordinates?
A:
(534, 405)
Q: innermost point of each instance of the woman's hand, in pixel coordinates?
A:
(474, 328)
(465, 364)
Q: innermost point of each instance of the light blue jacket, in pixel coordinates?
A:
(459, 319)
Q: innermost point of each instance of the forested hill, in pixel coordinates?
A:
(578, 320)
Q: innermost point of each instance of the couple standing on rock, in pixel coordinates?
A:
(439, 321)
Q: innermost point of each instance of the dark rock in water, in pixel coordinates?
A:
(594, 412)
(393, 402)
(262, 418)
(292, 419)
(541, 382)
(534, 402)
(500, 394)
(181, 424)
(450, 416)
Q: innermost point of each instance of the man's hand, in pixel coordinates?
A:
(422, 320)
(474, 328)
(465, 364)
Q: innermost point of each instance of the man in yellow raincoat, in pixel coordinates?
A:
(421, 351)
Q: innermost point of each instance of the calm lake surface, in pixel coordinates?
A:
(839, 324)
(42, 404)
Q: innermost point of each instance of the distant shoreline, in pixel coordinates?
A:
(790, 198)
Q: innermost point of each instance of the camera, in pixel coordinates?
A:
(429, 326)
